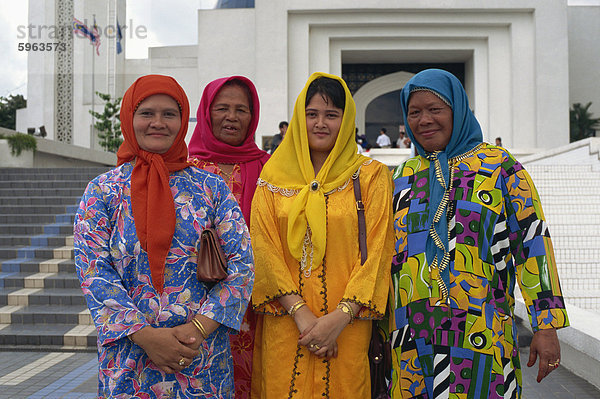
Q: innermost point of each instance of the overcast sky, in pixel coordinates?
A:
(170, 22)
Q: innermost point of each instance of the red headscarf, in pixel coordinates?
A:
(151, 198)
(204, 145)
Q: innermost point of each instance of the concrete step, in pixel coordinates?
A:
(40, 201)
(568, 209)
(576, 242)
(566, 254)
(81, 184)
(589, 282)
(41, 192)
(37, 219)
(48, 335)
(36, 228)
(573, 230)
(570, 189)
(47, 176)
(34, 240)
(585, 299)
(554, 175)
(37, 209)
(41, 296)
(34, 266)
(573, 220)
(51, 172)
(41, 280)
(576, 267)
(558, 168)
(64, 252)
(38, 314)
(559, 199)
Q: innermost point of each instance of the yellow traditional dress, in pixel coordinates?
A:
(328, 268)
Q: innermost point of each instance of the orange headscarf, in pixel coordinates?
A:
(151, 198)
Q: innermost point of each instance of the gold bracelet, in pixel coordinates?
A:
(346, 308)
(294, 308)
(200, 327)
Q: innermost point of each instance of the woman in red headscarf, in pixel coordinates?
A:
(223, 143)
(160, 331)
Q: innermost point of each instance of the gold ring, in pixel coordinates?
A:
(317, 346)
(182, 362)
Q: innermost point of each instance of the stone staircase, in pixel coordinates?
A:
(41, 303)
(570, 196)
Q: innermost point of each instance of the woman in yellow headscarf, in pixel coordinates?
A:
(315, 293)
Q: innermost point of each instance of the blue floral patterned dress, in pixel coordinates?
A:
(115, 278)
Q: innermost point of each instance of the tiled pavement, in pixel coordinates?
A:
(48, 375)
(73, 376)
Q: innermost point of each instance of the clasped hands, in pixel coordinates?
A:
(319, 334)
(170, 349)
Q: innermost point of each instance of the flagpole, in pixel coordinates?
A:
(93, 86)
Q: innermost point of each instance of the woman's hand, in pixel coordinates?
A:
(188, 335)
(545, 345)
(321, 337)
(305, 319)
(164, 348)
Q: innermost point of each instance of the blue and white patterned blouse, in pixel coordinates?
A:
(115, 277)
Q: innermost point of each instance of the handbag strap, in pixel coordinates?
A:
(360, 210)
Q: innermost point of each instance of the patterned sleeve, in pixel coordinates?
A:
(111, 307)
(273, 278)
(532, 251)
(228, 300)
(369, 283)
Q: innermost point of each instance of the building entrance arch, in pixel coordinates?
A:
(375, 88)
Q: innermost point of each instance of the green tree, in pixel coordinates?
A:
(8, 110)
(582, 123)
(108, 123)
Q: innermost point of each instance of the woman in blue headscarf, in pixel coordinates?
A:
(469, 226)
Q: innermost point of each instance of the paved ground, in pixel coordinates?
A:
(73, 376)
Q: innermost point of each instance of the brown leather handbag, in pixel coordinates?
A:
(212, 265)
(380, 356)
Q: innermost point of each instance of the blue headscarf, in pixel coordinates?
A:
(466, 135)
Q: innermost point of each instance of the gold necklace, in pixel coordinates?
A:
(227, 175)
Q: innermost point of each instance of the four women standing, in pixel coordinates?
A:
(468, 225)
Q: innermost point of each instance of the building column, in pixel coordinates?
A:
(63, 66)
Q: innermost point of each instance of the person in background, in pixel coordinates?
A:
(161, 332)
(361, 139)
(403, 141)
(498, 141)
(317, 298)
(469, 228)
(278, 138)
(383, 140)
(223, 143)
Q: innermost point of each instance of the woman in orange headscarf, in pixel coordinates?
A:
(160, 330)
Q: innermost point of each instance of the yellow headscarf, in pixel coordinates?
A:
(290, 167)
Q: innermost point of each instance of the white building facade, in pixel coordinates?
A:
(513, 57)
